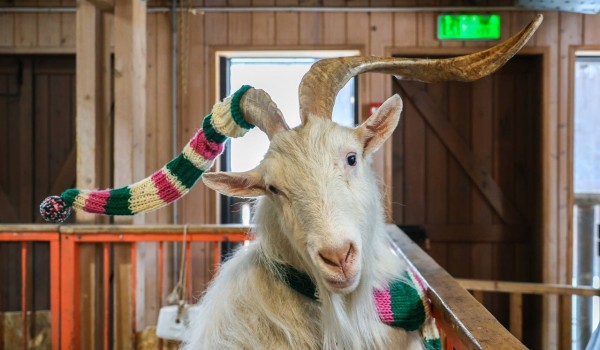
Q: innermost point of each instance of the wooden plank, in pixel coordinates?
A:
(130, 95)
(287, 24)
(459, 185)
(26, 29)
(163, 101)
(310, 28)
(88, 99)
(426, 24)
(49, 30)
(90, 297)
(239, 32)
(380, 88)
(25, 207)
(590, 29)
(7, 29)
(516, 315)
(437, 189)
(461, 151)
(122, 309)
(357, 33)
(334, 28)
(152, 96)
(527, 287)
(263, 24)
(405, 29)
(414, 182)
(67, 30)
(481, 140)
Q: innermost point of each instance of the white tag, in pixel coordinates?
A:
(171, 325)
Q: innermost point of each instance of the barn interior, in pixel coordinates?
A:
(491, 188)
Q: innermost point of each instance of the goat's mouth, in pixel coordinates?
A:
(342, 285)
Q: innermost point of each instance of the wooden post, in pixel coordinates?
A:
(129, 153)
(130, 95)
(516, 315)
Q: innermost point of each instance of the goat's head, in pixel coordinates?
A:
(317, 175)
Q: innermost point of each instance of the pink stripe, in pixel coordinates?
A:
(208, 150)
(96, 201)
(166, 190)
(384, 305)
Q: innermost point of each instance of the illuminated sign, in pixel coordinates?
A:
(468, 27)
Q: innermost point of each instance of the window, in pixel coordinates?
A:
(279, 74)
(586, 186)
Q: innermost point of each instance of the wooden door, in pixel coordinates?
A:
(467, 167)
(37, 158)
(37, 133)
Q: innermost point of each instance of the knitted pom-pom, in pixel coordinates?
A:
(54, 209)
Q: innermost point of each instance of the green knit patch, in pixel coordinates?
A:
(236, 109)
(69, 196)
(432, 344)
(210, 133)
(409, 312)
(118, 202)
(184, 170)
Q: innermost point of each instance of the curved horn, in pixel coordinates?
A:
(321, 84)
(260, 110)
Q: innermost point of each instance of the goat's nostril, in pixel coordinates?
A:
(337, 257)
(349, 253)
(328, 261)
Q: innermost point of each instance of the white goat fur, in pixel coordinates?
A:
(322, 201)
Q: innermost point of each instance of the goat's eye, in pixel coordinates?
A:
(351, 159)
(273, 189)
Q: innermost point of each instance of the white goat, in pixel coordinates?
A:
(319, 210)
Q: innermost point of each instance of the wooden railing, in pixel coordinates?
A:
(463, 322)
(516, 290)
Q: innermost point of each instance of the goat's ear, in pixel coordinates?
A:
(375, 130)
(247, 184)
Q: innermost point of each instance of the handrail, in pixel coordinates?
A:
(527, 288)
(454, 307)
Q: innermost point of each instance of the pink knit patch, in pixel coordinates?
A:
(166, 190)
(96, 201)
(208, 150)
(384, 305)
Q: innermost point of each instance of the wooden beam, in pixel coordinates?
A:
(473, 166)
(89, 99)
(130, 95)
(104, 5)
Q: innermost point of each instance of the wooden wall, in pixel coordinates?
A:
(376, 33)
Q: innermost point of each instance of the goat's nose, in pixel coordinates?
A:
(338, 257)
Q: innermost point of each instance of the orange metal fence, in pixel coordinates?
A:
(65, 243)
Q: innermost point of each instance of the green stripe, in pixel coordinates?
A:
(184, 170)
(432, 344)
(69, 196)
(211, 134)
(118, 202)
(409, 312)
(236, 109)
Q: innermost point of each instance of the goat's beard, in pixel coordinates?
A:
(344, 317)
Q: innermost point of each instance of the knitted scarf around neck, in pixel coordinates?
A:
(403, 303)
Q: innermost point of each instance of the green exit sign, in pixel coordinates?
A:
(468, 27)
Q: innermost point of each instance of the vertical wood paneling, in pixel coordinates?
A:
(164, 126)
(7, 25)
(590, 29)
(240, 28)
(49, 30)
(437, 163)
(287, 24)
(358, 33)
(26, 29)
(310, 28)
(151, 101)
(334, 28)
(67, 30)
(405, 29)
(414, 140)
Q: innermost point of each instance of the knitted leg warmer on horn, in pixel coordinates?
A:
(166, 185)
